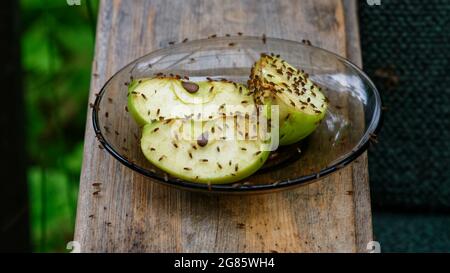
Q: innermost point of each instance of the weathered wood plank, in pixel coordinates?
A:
(361, 189)
(133, 214)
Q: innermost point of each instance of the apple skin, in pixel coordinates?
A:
(175, 170)
(293, 125)
(297, 127)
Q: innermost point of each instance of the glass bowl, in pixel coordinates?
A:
(352, 119)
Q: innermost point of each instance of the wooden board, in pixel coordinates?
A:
(133, 214)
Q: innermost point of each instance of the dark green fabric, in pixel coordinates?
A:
(406, 51)
(412, 232)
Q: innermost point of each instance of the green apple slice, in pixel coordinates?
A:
(211, 152)
(301, 104)
(164, 98)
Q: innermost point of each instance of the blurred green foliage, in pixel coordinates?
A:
(57, 51)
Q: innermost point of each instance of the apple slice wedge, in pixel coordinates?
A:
(208, 152)
(164, 98)
(301, 104)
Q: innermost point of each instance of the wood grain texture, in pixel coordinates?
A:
(361, 189)
(133, 214)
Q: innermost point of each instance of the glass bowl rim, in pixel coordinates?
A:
(373, 129)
